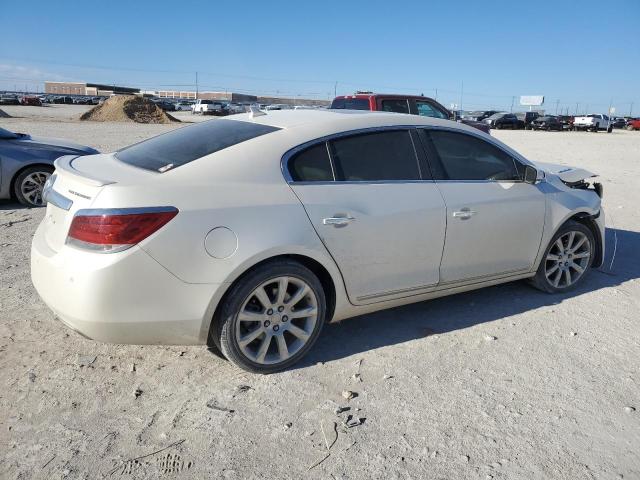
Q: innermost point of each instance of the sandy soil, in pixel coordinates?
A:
(556, 394)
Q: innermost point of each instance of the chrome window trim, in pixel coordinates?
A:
(284, 161)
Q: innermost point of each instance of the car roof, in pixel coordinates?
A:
(340, 120)
(385, 95)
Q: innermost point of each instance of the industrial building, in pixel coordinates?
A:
(93, 89)
(96, 89)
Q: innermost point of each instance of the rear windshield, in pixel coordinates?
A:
(350, 103)
(187, 144)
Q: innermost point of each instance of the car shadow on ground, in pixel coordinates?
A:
(13, 205)
(455, 312)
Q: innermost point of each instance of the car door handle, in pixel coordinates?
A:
(337, 221)
(464, 213)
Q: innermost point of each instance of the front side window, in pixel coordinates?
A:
(378, 156)
(398, 106)
(465, 157)
(311, 165)
(425, 109)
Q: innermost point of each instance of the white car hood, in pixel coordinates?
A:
(566, 174)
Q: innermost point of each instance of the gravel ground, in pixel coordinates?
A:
(503, 383)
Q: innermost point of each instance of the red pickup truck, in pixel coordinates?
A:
(412, 104)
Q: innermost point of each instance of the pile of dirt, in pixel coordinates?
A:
(128, 108)
(4, 114)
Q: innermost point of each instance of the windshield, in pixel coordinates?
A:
(187, 144)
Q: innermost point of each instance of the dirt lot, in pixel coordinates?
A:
(503, 383)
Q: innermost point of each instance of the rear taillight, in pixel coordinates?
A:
(114, 230)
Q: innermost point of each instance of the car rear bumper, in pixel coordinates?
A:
(124, 297)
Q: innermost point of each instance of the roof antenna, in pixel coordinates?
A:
(255, 112)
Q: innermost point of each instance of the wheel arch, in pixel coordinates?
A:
(587, 219)
(329, 284)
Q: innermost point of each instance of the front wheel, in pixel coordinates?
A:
(271, 317)
(566, 260)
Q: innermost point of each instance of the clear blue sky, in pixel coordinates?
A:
(584, 51)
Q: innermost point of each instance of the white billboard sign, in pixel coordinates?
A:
(532, 100)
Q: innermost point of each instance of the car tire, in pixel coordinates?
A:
(573, 241)
(262, 340)
(610, 129)
(29, 183)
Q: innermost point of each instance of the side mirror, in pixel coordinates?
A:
(530, 175)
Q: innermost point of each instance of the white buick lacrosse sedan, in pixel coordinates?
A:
(249, 233)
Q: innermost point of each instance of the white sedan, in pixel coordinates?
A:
(248, 234)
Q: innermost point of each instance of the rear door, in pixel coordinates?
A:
(377, 212)
(494, 219)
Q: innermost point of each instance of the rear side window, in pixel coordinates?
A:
(311, 165)
(350, 104)
(187, 144)
(375, 157)
(398, 106)
(465, 157)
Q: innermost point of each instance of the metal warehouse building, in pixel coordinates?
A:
(77, 88)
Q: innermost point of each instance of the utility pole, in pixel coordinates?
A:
(630, 108)
(196, 85)
(557, 104)
(461, 93)
(335, 89)
(577, 108)
(436, 94)
(513, 99)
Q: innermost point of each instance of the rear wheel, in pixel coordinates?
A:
(566, 260)
(271, 317)
(28, 185)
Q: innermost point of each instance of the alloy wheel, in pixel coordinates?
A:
(32, 185)
(567, 259)
(276, 320)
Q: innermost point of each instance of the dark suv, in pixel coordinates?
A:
(527, 118)
(412, 104)
(503, 120)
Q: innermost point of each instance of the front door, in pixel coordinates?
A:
(380, 220)
(494, 219)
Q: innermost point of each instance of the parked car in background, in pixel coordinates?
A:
(183, 106)
(234, 108)
(546, 122)
(26, 163)
(9, 99)
(347, 226)
(30, 100)
(503, 120)
(633, 124)
(593, 122)
(412, 104)
(207, 107)
(567, 121)
(618, 122)
(165, 105)
(526, 118)
(63, 99)
(479, 115)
